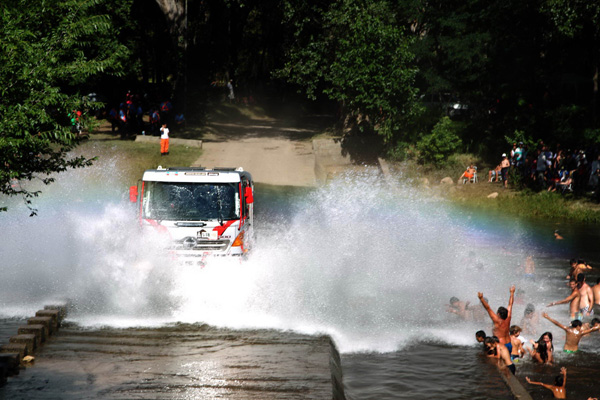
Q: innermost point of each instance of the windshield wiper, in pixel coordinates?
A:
(220, 205)
(220, 212)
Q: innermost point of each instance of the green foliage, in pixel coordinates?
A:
(440, 143)
(515, 179)
(571, 17)
(401, 151)
(513, 62)
(520, 136)
(357, 53)
(592, 136)
(454, 45)
(47, 48)
(568, 122)
(533, 205)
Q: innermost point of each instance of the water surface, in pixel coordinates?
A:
(373, 267)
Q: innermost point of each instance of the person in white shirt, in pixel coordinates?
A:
(164, 140)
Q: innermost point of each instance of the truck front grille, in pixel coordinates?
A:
(191, 243)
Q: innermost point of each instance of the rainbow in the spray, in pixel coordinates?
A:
(370, 265)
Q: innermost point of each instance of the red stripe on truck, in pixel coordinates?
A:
(160, 228)
(221, 229)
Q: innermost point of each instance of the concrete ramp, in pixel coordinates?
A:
(181, 361)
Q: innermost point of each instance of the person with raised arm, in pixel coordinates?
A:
(500, 319)
(558, 389)
(573, 298)
(574, 333)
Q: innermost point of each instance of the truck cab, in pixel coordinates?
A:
(201, 212)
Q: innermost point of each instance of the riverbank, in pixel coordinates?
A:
(492, 196)
(279, 149)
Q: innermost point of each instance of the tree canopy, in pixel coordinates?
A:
(49, 50)
(409, 73)
(357, 54)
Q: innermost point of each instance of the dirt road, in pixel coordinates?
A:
(272, 160)
(275, 154)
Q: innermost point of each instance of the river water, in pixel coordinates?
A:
(372, 266)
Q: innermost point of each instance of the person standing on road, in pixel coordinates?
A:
(230, 96)
(164, 140)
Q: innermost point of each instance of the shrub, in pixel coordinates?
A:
(401, 151)
(436, 147)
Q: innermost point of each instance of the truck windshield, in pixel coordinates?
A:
(177, 201)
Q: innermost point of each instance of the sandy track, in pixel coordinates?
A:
(275, 161)
(274, 154)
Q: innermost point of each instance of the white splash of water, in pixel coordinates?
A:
(371, 266)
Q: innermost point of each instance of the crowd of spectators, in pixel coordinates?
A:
(556, 169)
(128, 117)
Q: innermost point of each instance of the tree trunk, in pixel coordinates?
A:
(595, 98)
(175, 13)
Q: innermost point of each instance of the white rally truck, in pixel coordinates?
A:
(202, 212)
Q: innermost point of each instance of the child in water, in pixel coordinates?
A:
(516, 344)
(496, 350)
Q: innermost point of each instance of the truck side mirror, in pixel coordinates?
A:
(133, 194)
(248, 195)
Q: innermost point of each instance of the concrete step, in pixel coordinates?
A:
(46, 321)
(40, 331)
(30, 340)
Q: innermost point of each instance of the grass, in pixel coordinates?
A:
(525, 203)
(131, 158)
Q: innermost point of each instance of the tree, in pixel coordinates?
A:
(356, 53)
(436, 147)
(175, 13)
(47, 50)
(580, 20)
